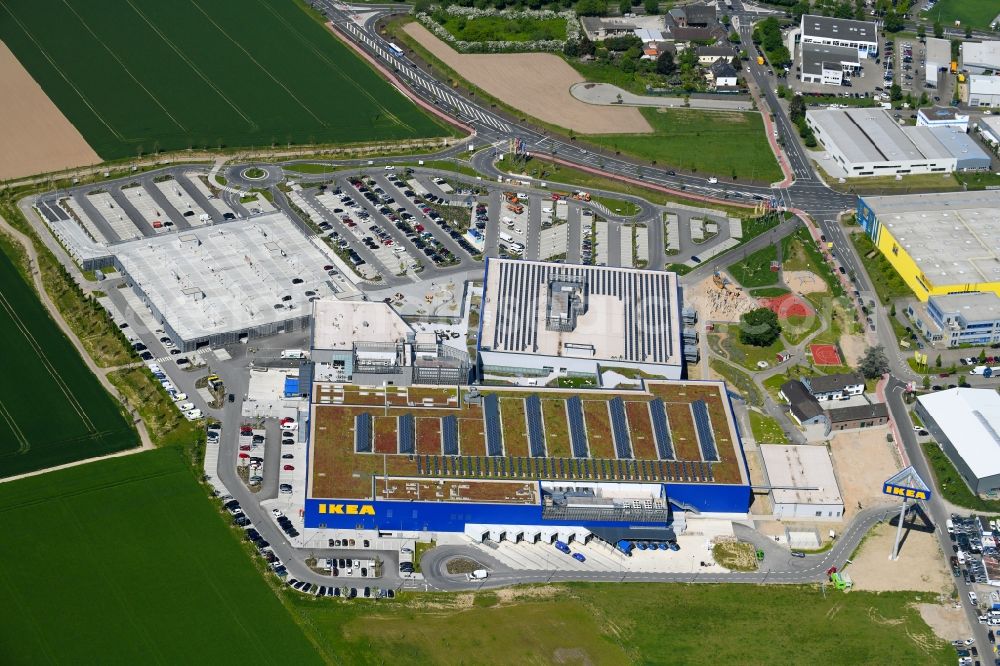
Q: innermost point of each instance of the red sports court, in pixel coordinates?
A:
(825, 355)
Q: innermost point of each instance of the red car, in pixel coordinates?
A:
(244, 447)
(244, 455)
(287, 419)
(288, 468)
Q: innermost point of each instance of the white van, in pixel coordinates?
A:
(292, 353)
(185, 406)
(479, 574)
(961, 557)
(506, 238)
(973, 598)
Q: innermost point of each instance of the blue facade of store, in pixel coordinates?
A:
(390, 515)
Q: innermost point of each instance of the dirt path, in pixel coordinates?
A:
(536, 83)
(35, 137)
(100, 373)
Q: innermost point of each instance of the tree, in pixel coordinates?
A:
(797, 108)
(894, 22)
(874, 363)
(734, 37)
(895, 92)
(892, 308)
(725, 20)
(968, 32)
(591, 7)
(921, 31)
(938, 30)
(759, 328)
(927, 382)
(982, 356)
(937, 361)
(652, 7)
(924, 100)
(625, 6)
(665, 64)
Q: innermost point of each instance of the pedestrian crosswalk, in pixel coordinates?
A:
(418, 80)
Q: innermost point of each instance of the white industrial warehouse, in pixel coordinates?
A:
(965, 422)
(869, 142)
(803, 482)
(543, 318)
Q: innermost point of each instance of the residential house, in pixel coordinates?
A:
(838, 386)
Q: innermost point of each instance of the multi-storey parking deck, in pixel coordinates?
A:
(382, 446)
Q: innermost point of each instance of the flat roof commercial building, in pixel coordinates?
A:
(368, 343)
(542, 318)
(803, 482)
(940, 243)
(965, 422)
(442, 459)
(869, 142)
(960, 319)
(938, 56)
(219, 284)
(981, 57)
(828, 65)
(984, 90)
(943, 116)
(989, 129)
(859, 35)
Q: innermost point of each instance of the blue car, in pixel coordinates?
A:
(641, 545)
(579, 557)
(561, 547)
(673, 546)
(663, 545)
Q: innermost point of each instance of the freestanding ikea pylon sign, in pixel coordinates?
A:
(907, 485)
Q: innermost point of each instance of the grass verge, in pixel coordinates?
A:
(950, 483)
(740, 381)
(165, 423)
(888, 284)
(735, 555)
(594, 623)
(766, 430)
(755, 269)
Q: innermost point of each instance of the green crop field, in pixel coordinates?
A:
(125, 561)
(139, 76)
(973, 13)
(630, 624)
(52, 408)
(715, 143)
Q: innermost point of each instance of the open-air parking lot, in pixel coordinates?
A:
(139, 207)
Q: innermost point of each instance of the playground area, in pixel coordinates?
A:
(803, 282)
(825, 355)
(788, 305)
(719, 303)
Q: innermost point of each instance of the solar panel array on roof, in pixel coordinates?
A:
(449, 435)
(494, 436)
(536, 433)
(706, 439)
(363, 433)
(405, 433)
(645, 295)
(619, 428)
(577, 431)
(661, 431)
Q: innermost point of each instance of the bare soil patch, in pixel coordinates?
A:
(920, 566)
(718, 305)
(946, 620)
(536, 83)
(804, 282)
(862, 460)
(35, 137)
(853, 347)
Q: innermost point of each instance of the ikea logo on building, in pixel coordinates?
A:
(901, 491)
(348, 509)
